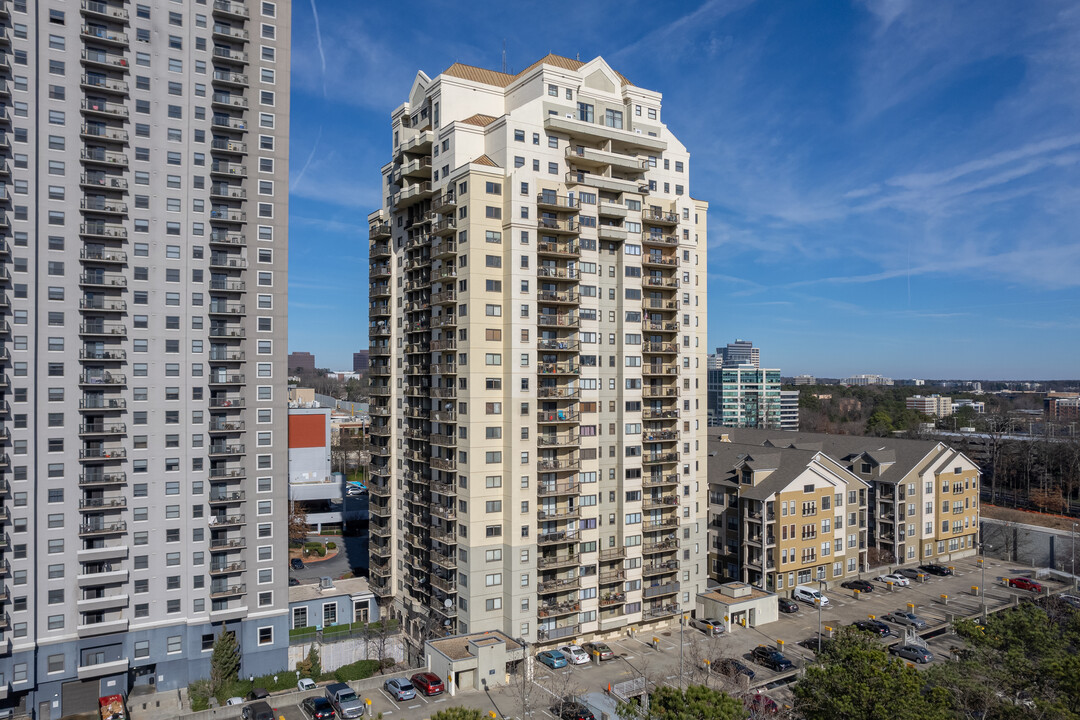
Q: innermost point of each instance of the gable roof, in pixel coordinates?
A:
(501, 79)
(485, 160)
(481, 120)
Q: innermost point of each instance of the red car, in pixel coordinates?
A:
(1023, 583)
(428, 683)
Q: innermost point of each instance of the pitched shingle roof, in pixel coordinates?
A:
(500, 79)
(481, 120)
(485, 160)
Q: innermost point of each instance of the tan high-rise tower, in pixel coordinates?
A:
(537, 341)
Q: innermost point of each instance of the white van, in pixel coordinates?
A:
(808, 594)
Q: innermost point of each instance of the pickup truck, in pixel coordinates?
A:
(344, 700)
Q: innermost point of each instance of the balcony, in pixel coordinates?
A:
(105, 329)
(103, 35)
(554, 513)
(557, 440)
(102, 479)
(229, 33)
(558, 320)
(229, 55)
(225, 449)
(227, 544)
(226, 8)
(670, 391)
(103, 205)
(558, 368)
(224, 214)
(98, 255)
(589, 157)
(223, 285)
(93, 83)
(95, 504)
(226, 403)
(657, 260)
(661, 590)
(661, 348)
(104, 59)
(97, 454)
(663, 568)
(563, 345)
(611, 232)
(556, 417)
(223, 522)
(102, 528)
(101, 180)
(659, 239)
(218, 496)
(104, 627)
(105, 231)
(227, 122)
(224, 145)
(105, 378)
(656, 281)
(559, 609)
(609, 184)
(221, 355)
(102, 428)
(94, 8)
(544, 634)
(558, 227)
(558, 248)
(412, 194)
(560, 537)
(611, 210)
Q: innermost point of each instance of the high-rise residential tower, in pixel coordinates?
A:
(145, 170)
(537, 342)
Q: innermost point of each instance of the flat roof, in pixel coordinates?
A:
(311, 591)
(754, 594)
(456, 647)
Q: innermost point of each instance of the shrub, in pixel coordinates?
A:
(358, 670)
(386, 663)
(331, 545)
(199, 695)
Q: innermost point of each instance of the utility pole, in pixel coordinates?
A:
(682, 622)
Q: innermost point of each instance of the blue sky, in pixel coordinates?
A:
(894, 185)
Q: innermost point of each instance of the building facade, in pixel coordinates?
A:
(749, 397)
(145, 159)
(789, 409)
(740, 352)
(538, 319)
(301, 362)
(932, 405)
(361, 361)
(852, 504)
(804, 380)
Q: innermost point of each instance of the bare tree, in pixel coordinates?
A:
(298, 522)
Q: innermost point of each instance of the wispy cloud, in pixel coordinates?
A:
(318, 42)
(294, 183)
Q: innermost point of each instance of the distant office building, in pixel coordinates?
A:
(804, 380)
(866, 380)
(789, 409)
(360, 361)
(713, 362)
(1061, 406)
(933, 405)
(977, 405)
(749, 397)
(300, 362)
(714, 390)
(740, 352)
(911, 382)
(311, 484)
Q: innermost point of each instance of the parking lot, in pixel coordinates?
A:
(637, 657)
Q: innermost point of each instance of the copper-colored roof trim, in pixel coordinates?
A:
(499, 79)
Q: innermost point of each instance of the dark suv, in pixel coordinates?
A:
(771, 658)
(258, 710)
(932, 569)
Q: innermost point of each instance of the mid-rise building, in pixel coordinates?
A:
(789, 409)
(361, 361)
(816, 507)
(740, 352)
(977, 406)
(538, 319)
(866, 380)
(932, 405)
(1061, 406)
(749, 397)
(145, 163)
(301, 362)
(804, 380)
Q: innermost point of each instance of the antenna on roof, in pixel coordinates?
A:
(578, 57)
(504, 56)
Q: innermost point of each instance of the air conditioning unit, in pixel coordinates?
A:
(326, 582)
(569, 116)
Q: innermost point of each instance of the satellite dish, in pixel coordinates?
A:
(448, 603)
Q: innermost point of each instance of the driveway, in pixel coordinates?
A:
(352, 554)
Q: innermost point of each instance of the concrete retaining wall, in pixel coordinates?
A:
(1031, 545)
(334, 655)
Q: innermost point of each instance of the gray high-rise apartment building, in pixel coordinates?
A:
(144, 262)
(537, 343)
(740, 352)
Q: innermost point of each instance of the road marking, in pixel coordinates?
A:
(439, 701)
(390, 697)
(413, 707)
(424, 699)
(628, 657)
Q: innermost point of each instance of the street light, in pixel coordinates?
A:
(817, 601)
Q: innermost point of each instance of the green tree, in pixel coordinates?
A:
(224, 662)
(854, 679)
(311, 666)
(458, 713)
(697, 702)
(880, 423)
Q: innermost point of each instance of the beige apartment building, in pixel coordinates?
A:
(537, 344)
(811, 507)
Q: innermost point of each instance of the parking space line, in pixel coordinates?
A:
(413, 707)
(390, 698)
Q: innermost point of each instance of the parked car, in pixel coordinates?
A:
(293, 582)
(400, 689)
(258, 694)
(915, 653)
(808, 594)
(574, 654)
(235, 701)
(894, 578)
(733, 668)
(860, 585)
(296, 564)
(571, 710)
(874, 627)
(428, 683)
(910, 573)
(318, 708)
(306, 684)
(599, 647)
(1072, 601)
(811, 643)
(932, 569)
(762, 705)
(1023, 583)
(344, 700)
(710, 626)
(771, 658)
(552, 658)
(258, 710)
(903, 617)
(787, 605)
